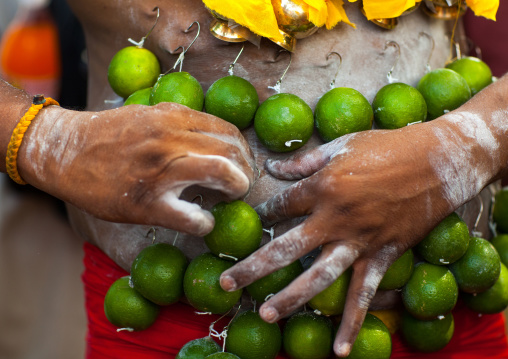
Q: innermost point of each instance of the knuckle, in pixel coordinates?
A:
(326, 273)
(364, 297)
(285, 250)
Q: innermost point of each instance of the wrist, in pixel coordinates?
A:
(37, 160)
(468, 156)
(18, 104)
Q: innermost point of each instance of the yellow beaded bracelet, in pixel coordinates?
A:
(39, 102)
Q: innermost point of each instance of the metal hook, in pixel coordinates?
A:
(141, 43)
(492, 224)
(232, 66)
(181, 57)
(279, 81)
(477, 222)
(427, 66)
(152, 229)
(458, 52)
(200, 197)
(197, 34)
(332, 84)
(396, 45)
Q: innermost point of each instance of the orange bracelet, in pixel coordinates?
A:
(11, 164)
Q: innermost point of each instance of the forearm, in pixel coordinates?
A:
(474, 144)
(15, 103)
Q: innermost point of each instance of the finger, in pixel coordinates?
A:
(306, 163)
(333, 261)
(210, 171)
(236, 150)
(274, 255)
(294, 201)
(182, 216)
(210, 126)
(364, 282)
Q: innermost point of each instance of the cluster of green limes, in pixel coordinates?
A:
(161, 274)
(452, 263)
(438, 92)
(446, 89)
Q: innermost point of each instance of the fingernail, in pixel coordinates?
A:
(343, 349)
(228, 283)
(269, 314)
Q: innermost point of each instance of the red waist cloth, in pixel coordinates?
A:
(475, 336)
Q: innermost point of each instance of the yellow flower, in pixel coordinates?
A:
(485, 8)
(383, 9)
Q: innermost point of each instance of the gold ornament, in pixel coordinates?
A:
(388, 24)
(221, 30)
(293, 18)
(288, 42)
(445, 9)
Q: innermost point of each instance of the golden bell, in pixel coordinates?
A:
(221, 30)
(440, 9)
(293, 18)
(388, 24)
(288, 42)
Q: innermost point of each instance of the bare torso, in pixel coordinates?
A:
(366, 62)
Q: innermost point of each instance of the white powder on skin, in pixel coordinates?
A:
(202, 221)
(212, 182)
(64, 144)
(453, 161)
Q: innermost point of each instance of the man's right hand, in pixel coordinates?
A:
(131, 164)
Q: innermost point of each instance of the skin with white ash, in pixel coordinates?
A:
(364, 198)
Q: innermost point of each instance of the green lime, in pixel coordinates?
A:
(157, 273)
(140, 97)
(478, 269)
(274, 282)
(198, 349)
(222, 355)
(427, 335)
(373, 341)
(500, 242)
(331, 301)
(446, 243)
(178, 87)
(399, 272)
(131, 69)
(201, 285)
(307, 335)
(397, 105)
(430, 292)
(284, 122)
(444, 90)
(237, 231)
(494, 299)
(476, 72)
(500, 211)
(250, 337)
(126, 308)
(233, 99)
(341, 111)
